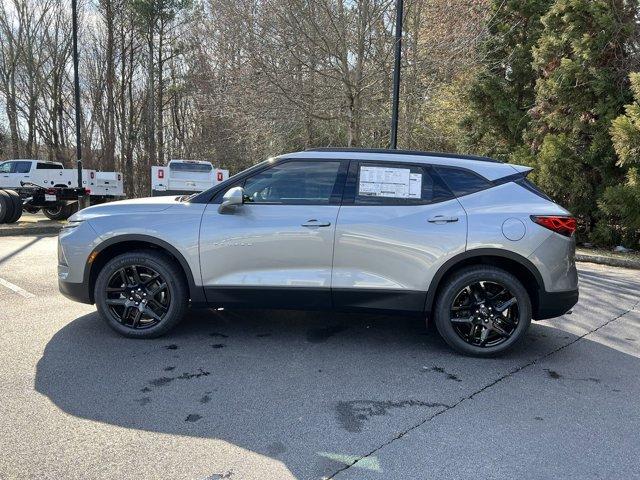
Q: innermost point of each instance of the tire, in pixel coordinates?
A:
(17, 206)
(6, 207)
(120, 308)
(61, 212)
(466, 321)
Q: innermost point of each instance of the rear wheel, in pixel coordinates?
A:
(6, 207)
(141, 294)
(61, 211)
(17, 206)
(483, 311)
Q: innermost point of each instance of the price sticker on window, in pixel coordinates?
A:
(389, 182)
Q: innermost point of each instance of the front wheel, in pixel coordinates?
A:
(483, 311)
(141, 294)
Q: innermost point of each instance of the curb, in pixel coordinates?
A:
(610, 261)
(35, 230)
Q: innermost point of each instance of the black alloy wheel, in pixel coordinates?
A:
(142, 294)
(482, 310)
(484, 314)
(138, 296)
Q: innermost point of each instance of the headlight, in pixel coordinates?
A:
(72, 224)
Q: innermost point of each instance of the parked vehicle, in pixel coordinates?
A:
(465, 241)
(48, 186)
(180, 177)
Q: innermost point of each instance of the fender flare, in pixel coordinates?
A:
(196, 292)
(447, 266)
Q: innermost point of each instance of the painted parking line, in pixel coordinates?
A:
(16, 289)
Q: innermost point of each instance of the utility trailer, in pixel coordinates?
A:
(34, 185)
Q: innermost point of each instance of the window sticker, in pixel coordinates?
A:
(389, 182)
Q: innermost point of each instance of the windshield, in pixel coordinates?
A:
(190, 167)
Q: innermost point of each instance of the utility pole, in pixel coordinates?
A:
(82, 199)
(396, 76)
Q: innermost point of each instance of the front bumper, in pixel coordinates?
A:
(78, 292)
(554, 304)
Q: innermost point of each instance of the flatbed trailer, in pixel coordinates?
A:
(57, 203)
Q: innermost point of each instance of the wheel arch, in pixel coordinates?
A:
(127, 243)
(513, 263)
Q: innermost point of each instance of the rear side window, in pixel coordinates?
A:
(23, 167)
(461, 181)
(48, 166)
(397, 184)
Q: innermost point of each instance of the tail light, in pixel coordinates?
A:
(562, 225)
(219, 176)
(160, 173)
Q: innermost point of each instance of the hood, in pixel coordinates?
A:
(137, 205)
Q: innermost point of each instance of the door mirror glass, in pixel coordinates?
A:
(231, 199)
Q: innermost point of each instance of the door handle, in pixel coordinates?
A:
(442, 219)
(316, 223)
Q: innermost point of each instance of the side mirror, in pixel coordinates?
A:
(232, 198)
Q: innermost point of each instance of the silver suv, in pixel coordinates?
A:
(465, 241)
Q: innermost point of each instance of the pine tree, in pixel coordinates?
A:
(581, 88)
(503, 91)
(621, 203)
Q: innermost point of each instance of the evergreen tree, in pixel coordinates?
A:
(581, 87)
(503, 91)
(621, 203)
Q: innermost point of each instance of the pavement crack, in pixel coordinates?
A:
(471, 396)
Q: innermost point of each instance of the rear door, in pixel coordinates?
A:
(397, 225)
(276, 249)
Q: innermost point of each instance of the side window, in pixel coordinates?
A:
(294, 183)
(7, 167)
(462, 182)
(397, 184)
(48, 166)
(23, 167)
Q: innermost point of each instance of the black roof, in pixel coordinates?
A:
(403, 152)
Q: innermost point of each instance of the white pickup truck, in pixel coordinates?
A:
(180, 177)
(29, 177)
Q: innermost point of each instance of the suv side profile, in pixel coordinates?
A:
(467, 242)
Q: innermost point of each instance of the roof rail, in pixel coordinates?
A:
(403, 152)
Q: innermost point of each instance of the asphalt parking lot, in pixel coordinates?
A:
(291, 395)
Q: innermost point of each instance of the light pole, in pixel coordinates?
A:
(76, 82)
(396, 76)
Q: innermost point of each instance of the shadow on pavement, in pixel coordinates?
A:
(308, 389)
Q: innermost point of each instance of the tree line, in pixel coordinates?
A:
(545, 83)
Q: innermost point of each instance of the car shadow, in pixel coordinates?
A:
(309, 390)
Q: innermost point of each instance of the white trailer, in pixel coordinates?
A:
(182, 177)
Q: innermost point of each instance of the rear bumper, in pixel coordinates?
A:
(554, 304)
(78, 292)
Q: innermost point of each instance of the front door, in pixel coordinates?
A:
(280, 239)
(6, 169)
